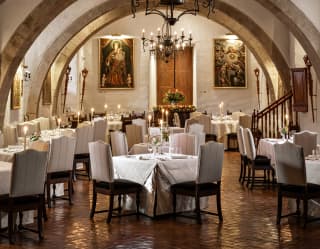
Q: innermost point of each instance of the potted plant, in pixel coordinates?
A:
(173, 97)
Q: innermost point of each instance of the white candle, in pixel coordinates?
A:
(149, 118)
(161, 123)
(78, 117)
(119, 106)
(92, 111)
(162, 115)
(287, 120)
(59, 123)
(105, 109)
(167, 115)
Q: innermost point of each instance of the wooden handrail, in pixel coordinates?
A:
(268, 122)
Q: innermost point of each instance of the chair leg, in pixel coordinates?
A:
(279, 207)
(10, 227)
(110, 208)
(249, 176)
(94, 200)
(305, 211)
(174, 202)
(253, 177)
(138, 203)
(244, 172)
(119, 204)
(54, 194)
(39, 218)
(44, 210)
(219, 204)
(48, 194)
(241, 169)
(70, 189)
(298, 206)
(198, 209)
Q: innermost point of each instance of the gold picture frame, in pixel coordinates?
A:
(116, 63)
(230, 65)
(16, 91)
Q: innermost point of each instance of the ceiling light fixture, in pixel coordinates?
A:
(165, 44)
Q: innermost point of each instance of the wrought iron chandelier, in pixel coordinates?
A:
(165, 44)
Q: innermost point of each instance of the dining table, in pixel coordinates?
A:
(156, 173)
(221, 127)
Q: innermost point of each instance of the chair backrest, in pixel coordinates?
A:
(28, 173)
(99, 129)
(61, 154)
(183, 143)
(37, 128)
(134, 134)
(205, 120)
(1, 140)
(195, 114)
(53, 123)
(119, 143)
(44, 123)
(210, 162)
(10, 135)
(236, 115)
(240, 138)
(290, 164)
(154, 131)
(84, 135)
(101, 161)
(196, 128)
(308, 141)
(176, 120)
(249, 144)
(200, 140)
(143, 123)
(188, 123)
(245, 121)
(39, 145)
(20, 129)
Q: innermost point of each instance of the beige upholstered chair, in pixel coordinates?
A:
(236, 115)
(37, 128)
(205, 120)
(84, 135)
(208, 180)
(176, 120)
(154, 131)
(1, 140)
(243, 154)
(26, 188)
(99, 129)
(31, 128)
(183, 143)
(308, 141)
(245, 121)
(291, 178)
(119, 143)
(10, 135)
(60, 164)
(197, 130)
(104, 182)
(143, 123)
(134, 135)
(44, 123)
(190, 122)
(256, 162)
(195, 114)
(53, 123)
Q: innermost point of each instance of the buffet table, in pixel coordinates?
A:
(157, 175)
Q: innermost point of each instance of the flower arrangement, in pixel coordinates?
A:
(177, 108)
(155, 140)
(284, 131)
(173, 97)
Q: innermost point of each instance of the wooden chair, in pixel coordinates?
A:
(256, 162)
(99, 129)
(26, 189)
(183, 143)
(291, 178)
(84, 135)
(10, 135)
(60, 165)
(133, 134)
(104, 182)
(208, 181)
(307, 139)
(143, 123)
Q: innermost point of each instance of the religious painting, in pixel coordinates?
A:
(16, 90)
(46, 90)
(116, 64)
(229, 64)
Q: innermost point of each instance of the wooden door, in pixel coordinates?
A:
(181, 68)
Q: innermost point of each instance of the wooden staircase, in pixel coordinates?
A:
(269, 121)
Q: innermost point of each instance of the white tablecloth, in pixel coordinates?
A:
(142, 148)
(114, 125)
(157, 175)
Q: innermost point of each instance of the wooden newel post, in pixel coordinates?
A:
(84, 74)
(257, 73)
(308, 64)
(66, 87)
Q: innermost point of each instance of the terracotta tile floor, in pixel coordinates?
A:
(249, 222)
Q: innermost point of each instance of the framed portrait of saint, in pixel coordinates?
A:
(116, 64)
(229, 64)
(16, 91)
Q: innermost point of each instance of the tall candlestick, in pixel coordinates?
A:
(25, 131)
(286, 119)
(149, 118)
(105, 109)
(161, 123)
(162, 115)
